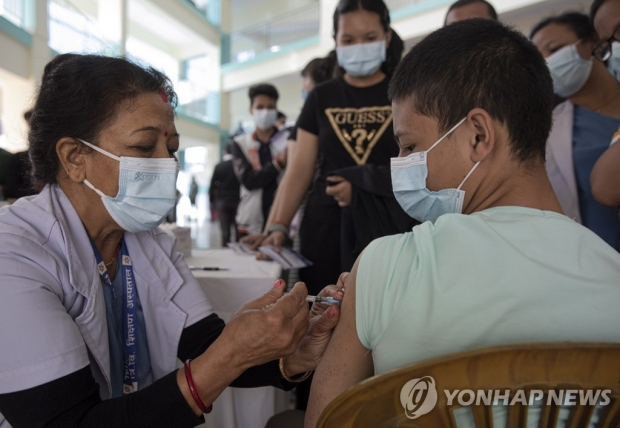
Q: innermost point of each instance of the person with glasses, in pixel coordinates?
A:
(584, 123)
(605, 178)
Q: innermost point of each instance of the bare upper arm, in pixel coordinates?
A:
(346, 361)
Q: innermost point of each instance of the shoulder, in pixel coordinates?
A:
(327, 89)
(563, 109)
(31, 218)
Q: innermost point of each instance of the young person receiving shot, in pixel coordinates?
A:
(495, 261)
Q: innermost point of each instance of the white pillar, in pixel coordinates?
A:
(40, 51)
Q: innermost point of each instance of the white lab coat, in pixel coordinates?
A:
(52, 309)
(560, 168)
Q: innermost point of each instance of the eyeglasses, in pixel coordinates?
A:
(602, 51)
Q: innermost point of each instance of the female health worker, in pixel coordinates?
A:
(95, 304)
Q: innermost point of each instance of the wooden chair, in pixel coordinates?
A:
(376, 402)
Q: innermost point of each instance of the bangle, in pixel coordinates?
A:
(297, 380)
(278, 227)
(192, 388)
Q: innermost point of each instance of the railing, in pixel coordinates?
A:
(397, 6)
(197, 102)
(16, 11)
(72, 31)
(272, 35)
(210, 9)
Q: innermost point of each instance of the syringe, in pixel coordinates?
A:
(324, 300)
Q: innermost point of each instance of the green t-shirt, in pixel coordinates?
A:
(501, 276)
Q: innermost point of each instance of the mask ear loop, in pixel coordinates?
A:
(99, 192)
(103, 152)
(100, 150)
(467, 176)
(447, 133)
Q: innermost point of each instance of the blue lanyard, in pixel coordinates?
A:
(130, 314)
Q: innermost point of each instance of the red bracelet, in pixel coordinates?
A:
(193, 390)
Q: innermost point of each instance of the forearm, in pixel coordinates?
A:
(292, 189)
(605, 177)
(73, 401)
(212, 372)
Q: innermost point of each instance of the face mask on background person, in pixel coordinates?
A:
(146, 191)
(362, 59)
(304, 95)
(409, 186)
(613, 63)
(265, 118)
(568, 70)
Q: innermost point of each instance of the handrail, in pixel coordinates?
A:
(14, 11)
(271, 35)
(73, 31)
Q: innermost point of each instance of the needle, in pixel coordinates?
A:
(324, 300)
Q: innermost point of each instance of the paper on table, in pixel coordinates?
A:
(287, 258)
(242, 249)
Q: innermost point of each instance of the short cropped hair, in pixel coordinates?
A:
(461, 3)
(481, 63)
(263, 89)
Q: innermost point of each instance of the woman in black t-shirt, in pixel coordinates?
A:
(346, 124)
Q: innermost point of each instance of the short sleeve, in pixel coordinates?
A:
(382, 279)
(40, 341)
(309, 118)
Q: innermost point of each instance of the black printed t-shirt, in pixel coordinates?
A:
(354, 127)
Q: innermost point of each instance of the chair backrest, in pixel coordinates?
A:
(517, 386)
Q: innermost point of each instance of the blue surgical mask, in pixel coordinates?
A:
(568, 70)
(409, 186)
(362, 59)
(146, 191)
(304, 95)
(613, 63)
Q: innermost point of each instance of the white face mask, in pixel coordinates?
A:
(568, 70)
(362, 59)
(146, 191)
(265, 118)
(409, 186)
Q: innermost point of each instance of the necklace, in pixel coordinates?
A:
(107, 265)
(598, 110)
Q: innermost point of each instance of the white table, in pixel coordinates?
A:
(228, 290)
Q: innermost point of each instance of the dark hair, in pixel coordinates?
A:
(28, 115)
(460, 3)
(480, 63)
(280, 115)
(263, 89)
(395, 49)
(577, 22)
(79, 96)
(320, 69)
(596, 5)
